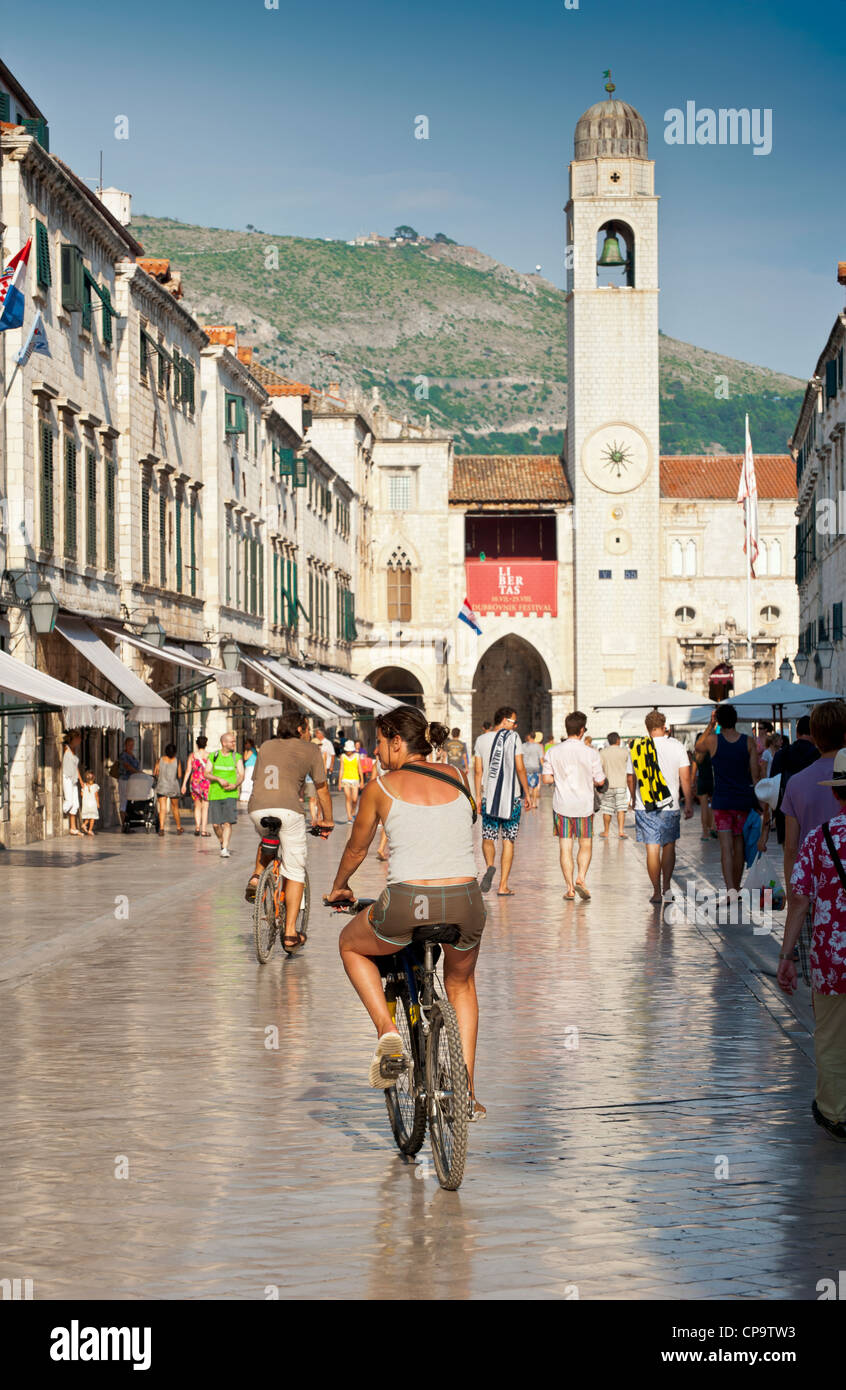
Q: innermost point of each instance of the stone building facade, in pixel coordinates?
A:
(818, 449)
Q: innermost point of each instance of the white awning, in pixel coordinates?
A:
(269, 671)
(363, 688)
(77, 708)
(342, 689)
(146, 707)
(297, 678)
(267, 708)
(177, 656)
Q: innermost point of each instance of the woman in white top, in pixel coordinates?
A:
(432, 879)
(71, 781)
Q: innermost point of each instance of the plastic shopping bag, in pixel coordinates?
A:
(761, 876)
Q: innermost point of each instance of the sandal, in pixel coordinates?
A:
(206, 834)
(477, 1111)
(290, 944)
(196, 832)
(251, 888)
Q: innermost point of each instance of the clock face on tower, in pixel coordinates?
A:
(616, 458)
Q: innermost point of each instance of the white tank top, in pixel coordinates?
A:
(429, 841)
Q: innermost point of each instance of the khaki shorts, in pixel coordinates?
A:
(404, 906)
(293, 847)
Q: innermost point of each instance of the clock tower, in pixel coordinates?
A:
(612, 406)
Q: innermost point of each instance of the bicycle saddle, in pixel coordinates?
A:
(446, 932)
(271, 823)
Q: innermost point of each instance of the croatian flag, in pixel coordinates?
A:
(36, 342)
(747, 494)
(467, 616)
(12, 282)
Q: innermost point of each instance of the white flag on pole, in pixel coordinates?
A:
(747, 495)
(36, 342)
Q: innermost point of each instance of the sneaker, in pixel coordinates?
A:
(836, 1129)
(224, 854)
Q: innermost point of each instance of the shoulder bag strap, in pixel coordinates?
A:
(833, 852)
(444, 777)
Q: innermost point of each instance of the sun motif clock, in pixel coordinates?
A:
(616, 458)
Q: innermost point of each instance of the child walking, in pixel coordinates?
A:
(90, 803)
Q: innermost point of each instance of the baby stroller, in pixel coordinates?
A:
(140, 803)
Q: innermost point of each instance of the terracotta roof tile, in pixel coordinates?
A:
(245, 355)
(515, 478)
(718, 475)
(277, 385)
(154, 265)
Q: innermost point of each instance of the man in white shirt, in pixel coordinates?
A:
(327, 750)
(500, 774)
(574, 769)
(659, 829)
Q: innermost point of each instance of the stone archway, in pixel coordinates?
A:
(512, 672)
(399, 684)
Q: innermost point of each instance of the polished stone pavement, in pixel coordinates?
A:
(648, 1088)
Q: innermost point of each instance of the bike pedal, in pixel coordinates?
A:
(393, 1067)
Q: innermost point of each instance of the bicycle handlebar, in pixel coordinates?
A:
(319, 831)
(351, 908)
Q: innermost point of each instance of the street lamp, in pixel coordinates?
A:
(44, 607)
(801, 661)
(825, 654)
(230, 654)
(785, 670)
(153, 632)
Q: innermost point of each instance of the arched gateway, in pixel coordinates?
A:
(512, 672)
(399, 684)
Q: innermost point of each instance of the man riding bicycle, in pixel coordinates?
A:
(279, 775)
(428, 819)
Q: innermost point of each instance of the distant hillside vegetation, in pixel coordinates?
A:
(447, 331)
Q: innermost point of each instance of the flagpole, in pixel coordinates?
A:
(15, 371)
(748, 583)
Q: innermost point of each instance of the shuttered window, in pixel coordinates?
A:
(70, 499)
(43, 275)
(194, 547)
(830, 380)
(108, 312)
(837, 622)
(145, 530)
(254, 576)
(235, 414)
(163, 539)
(73, 278)
(178, 538)
(144, 354)
(47, 534)
(90, 507)
(110, 511)
(261, 578)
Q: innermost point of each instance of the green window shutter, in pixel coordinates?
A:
(145, 530)
(830, 380)
(108, 313)
(163, 539)
(227, 545)
(72, 278)
(43, 274)
(307, 419)
(837, 623)
(5, 107)
(189, 384)
(295, 591)
(37, 126)
(47, 534)
(86, 302)
(177, 377)
(144, 353)
(91, 507)
(70, 498)
(194, 548)
(178, 539)
(110, 512)
(300, 473)
(286, 463)
(235, 414)
(261, 579)
(275, 589)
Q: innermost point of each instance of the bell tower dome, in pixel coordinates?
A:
(612, 414)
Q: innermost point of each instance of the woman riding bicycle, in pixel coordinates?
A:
(429, 826)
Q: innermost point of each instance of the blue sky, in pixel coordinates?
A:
(301, 121)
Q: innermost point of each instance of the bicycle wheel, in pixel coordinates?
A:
(264, 915)
(447, 1093)
(303, 914)
(406, 1107)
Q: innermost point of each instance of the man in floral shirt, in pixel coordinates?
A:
(818, 882)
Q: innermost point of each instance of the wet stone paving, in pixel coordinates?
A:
(648, 1091)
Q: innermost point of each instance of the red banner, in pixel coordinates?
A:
(511, 587)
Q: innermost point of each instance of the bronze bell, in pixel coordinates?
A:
(611, 253)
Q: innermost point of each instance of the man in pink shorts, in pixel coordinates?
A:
(734, 758)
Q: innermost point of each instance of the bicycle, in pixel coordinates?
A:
(430, 1083)
(269, 907)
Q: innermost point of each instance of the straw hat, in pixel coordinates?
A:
(838, 777)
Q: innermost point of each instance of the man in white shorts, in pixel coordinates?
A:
(279, 775)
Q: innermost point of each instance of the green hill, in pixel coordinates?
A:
(444, 330)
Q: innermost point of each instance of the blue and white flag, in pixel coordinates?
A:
(12, 289)
(36, 342)
(467, 616)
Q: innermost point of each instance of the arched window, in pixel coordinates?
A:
(615, 259)
(685, 614)
(770, 614)
(399, 588)
(690, 558)
(676, 558)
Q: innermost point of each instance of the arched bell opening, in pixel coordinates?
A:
(615, 255)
